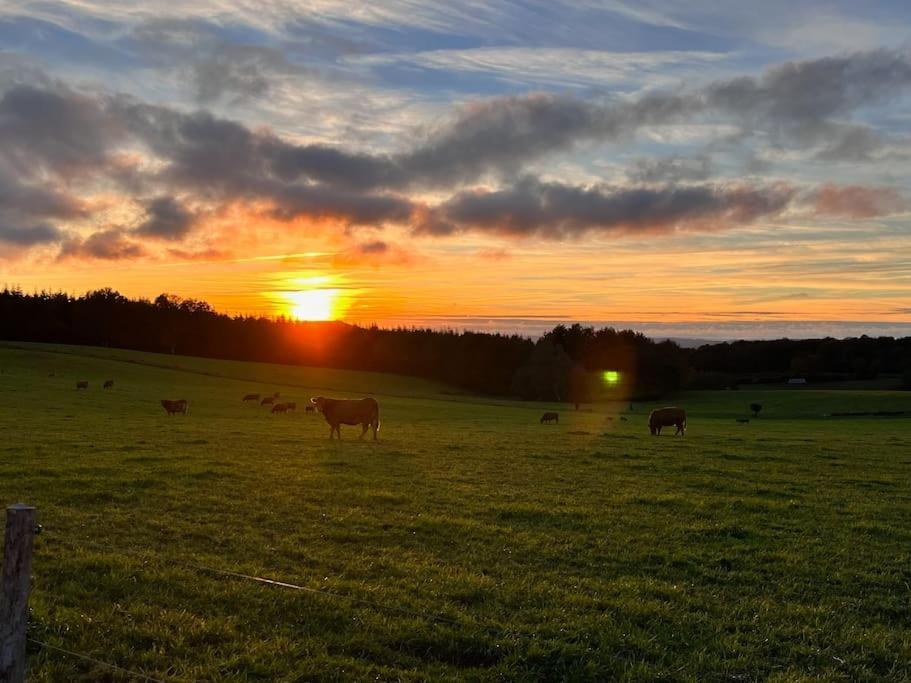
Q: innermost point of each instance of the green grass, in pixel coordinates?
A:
(774, 550)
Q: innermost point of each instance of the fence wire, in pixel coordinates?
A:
(97, 662)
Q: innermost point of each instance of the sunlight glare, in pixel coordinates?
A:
(313, 304)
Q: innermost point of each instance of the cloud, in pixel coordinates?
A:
(28, 236)
(110, 245)
(166, 218)
(532, 208)
(856, 201)
(670, 169)
(375, 247)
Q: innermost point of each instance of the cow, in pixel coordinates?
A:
(743, 420)
(550, 417)
(309, 409)
(623, 419)
(665, 417)
(82, 384)
(280, 408)
(364, 412)
(174, 407)
(276, 394)
(250, 397)
(267, 401)
(109, 384)
(291, 405)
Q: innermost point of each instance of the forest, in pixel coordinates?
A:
(571, 363)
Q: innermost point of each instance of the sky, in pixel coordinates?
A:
(690, 169)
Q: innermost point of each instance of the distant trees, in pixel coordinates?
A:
(755, 408)
(569, 363)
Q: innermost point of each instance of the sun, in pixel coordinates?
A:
(313, 304)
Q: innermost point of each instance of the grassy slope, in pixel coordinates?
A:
(777, 549)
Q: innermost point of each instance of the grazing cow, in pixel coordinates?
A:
(280, 408)
(109, 384)
(550, 417)
(250, 397)
(82, 384)
(267, 401)
(364, 412)
(665, 417)
(291, 405)
(309, 409)
(743, 420)
(623, 419)
(174, 407)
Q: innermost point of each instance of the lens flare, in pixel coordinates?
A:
(611, 377)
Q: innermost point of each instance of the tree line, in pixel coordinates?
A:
(571, 363)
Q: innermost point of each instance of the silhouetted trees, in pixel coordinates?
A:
(569, 363)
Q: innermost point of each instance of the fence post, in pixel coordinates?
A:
(17, 568)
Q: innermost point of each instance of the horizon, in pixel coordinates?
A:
(689, 172)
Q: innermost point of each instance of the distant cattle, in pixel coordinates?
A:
(309, 409)
(291, 405)
(109, 384)
(550, 417)
(82, 384)
(623, 419)
(666, 417)
(267, 401)
(364, 412)
(743, 420)
(174, 407)
(280, 408)
(250, 397)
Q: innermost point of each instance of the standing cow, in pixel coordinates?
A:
(82, 384)
(364, 412)
(550, 417)
(174, 407)
(267, 401)
(666, 417)
(109, 384)
(250, 397)
(280, 408)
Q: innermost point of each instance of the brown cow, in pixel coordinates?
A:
(364, 412)
(82, 384)
(550, 417)
(665, 417)
(268, 401)
(309, 409)
(250, 397)
(291, 405)
(109, 384)
(280, 408)
(174, 407)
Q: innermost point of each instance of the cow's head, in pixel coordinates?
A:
(652, 428)
(319, 402)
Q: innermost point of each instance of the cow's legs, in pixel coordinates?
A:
(364, 428)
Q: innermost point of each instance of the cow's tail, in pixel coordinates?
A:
(376, 421)
(186, 410)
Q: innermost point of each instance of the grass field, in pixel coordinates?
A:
(469, 543)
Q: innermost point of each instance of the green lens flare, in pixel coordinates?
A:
(611, 376)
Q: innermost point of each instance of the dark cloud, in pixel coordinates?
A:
(166, 218)
(28, 236)
(111, 245)
(236, 73)
(374, 247)
(670, 169)
(554, 211)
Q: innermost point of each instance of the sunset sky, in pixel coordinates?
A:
(699, 169)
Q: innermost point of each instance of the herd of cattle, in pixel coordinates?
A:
(366, 411)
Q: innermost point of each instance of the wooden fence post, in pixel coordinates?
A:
(17, 568)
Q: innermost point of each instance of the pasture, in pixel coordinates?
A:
(469, 543)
